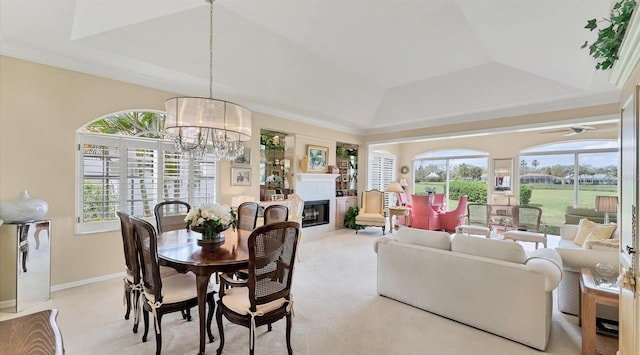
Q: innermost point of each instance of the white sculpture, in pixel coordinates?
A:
(23, 209)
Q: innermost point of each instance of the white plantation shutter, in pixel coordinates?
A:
(203, 185)
(382, 172)
(142, 179)
(99, 180)
(122, 173)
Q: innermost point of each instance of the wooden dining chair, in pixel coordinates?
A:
(247, 215)
(265, 297)
(132, 279)
(170, 215)
(276, 213)
(162, 295)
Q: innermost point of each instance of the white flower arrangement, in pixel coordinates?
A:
(211, 218)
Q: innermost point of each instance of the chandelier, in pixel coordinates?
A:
(202, 126)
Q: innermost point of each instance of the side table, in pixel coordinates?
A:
(398, 211)
(590, 295)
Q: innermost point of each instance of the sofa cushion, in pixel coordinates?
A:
(425, 238)
(489, 248)
(599, 231)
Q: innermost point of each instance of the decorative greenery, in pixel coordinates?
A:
(475, 190)
(605, 47)
(350, 219)
(525, 194)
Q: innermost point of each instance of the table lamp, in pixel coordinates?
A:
(394, 186)
(509, 195)
(607, 204)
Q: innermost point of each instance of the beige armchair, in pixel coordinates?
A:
(372, 211)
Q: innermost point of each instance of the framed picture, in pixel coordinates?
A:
(317, 158)
(278, 197)
(244, 159)
(345, 177)
(344, 164)
(240, 176)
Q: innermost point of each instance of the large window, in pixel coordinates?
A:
(558, 175)
(121, 172)
(452, 172)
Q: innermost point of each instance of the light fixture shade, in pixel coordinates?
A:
(394, 186)
(607, 204)
(229, 121)
(403, 182)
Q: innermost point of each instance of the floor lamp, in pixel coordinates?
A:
(607, 204)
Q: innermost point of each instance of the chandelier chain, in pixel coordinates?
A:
(210, 48)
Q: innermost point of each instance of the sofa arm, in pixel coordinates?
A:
(381, 240)
(574, 259)
(568, 231)
(547, 262)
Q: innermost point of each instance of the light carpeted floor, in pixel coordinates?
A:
(337, 311)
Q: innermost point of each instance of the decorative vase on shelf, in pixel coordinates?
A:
(23, 209)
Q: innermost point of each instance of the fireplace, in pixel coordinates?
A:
(315, 213)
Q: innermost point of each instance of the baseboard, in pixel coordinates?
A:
(65, 286)
(8, 304)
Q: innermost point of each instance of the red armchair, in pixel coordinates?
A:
(449, 220)
(423, 215)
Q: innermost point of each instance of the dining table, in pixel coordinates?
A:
(181, 250)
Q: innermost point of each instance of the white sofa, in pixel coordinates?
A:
(486, 283)
(574, 258)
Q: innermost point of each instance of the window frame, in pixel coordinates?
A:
(124, 143)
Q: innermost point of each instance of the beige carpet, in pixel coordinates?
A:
(337, 311)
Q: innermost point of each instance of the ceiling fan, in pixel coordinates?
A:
(572, 131)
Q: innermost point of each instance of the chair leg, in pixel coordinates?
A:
(127, 298)
(269, 327)
(186, 314)
(212, 305)
(158, 330)
(136, 310)
(145, 316)
(220, 330)
(289, 334)
(383, 230)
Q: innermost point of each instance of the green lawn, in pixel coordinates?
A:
(552, 199)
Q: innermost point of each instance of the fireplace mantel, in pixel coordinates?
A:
(316, 177)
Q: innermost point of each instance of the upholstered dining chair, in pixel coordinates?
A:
(247, 215)
(527, 225)
(449, 220)
(295, 215)
(423, 216)
(372, 211)
(170, 215)
(162, 295)
(132, 282)
(276, 213)
(265, 296)
(477, 221)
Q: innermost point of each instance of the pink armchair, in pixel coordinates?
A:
(423, 215)
(449, 220)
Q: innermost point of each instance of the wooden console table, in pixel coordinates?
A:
(590, 295)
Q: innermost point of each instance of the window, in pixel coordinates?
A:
(132, 174)
(453, 172)
(558, 175)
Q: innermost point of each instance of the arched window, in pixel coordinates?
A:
(567, 174)
(125, 163)
(452, 172)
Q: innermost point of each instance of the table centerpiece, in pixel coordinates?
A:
(211, 220)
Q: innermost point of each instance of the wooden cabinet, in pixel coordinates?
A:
(342, 206)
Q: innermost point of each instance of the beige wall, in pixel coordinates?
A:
(42, 107)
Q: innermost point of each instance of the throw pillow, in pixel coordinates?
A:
(425, 238)
(586, 227)
(489, 248)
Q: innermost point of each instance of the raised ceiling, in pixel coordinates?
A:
(362, 66)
